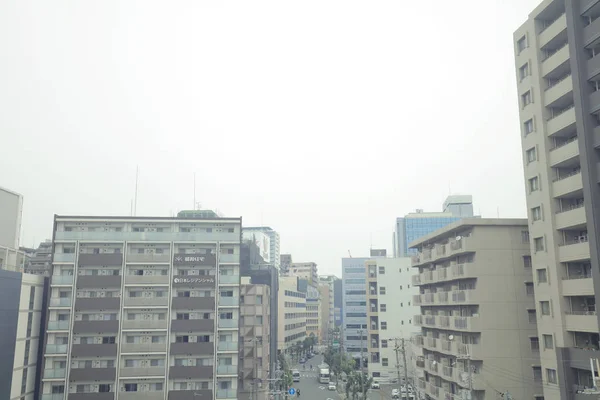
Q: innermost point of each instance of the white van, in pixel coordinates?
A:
(296, 375)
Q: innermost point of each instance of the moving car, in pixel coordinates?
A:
(375, 385)
(331, 386)
(302, 360)
(395, 393)
(296, 375)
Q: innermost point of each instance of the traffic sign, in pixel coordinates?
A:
(292, 391)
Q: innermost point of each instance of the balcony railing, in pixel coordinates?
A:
(227, 346)
(229, 301)
(62, 279)
(54, 373)
(227, 369)
(64, 257)
(56, 349)
(228, 323)
(53, 396)
(226, 394)
(229, 279)
(58, 325)
(60, 302)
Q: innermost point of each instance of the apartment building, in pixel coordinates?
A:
(330, 281)
(291, 317)
(38, 261)
(390, 311)
(477, 314)
(325, 307)
(144, 307)
(21, 334)
(285, 263)
(557, 63)
(313, 312)
(354, 309)
(255, 326)
(11, 209)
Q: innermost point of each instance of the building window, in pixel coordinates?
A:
(531, 155)
(521, 44)
(535, 344)
(538, 244)
(536, 213)
(382, 290)
(537, 374)
(551, 376)
(383, 325)
(382, 307)
(532, 316)
(529, 288)
(524, 71)
(526, 98)
(381, 270)
(528, 126)
(527, 261)
(534, 184)
(548, 342)
(384, 344)
(542, 275)
(524, 236)
(545, 307)
(384, 362)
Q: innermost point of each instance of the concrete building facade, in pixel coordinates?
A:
(330, 281)
(390, 311)
(11, 213)
(325, 311)
(477, 311)
(354, 311)
(291, 317)
(305, 270)
(144, 307)
(21, 334)
(274, 240)
(39, 261)
(255, 327)
(313, 312)
(557, 63)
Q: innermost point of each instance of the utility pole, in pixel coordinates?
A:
(405, 368)
(396, 350)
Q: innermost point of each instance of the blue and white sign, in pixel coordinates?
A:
(292, 391)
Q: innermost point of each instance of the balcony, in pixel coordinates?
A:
(62, 280)
(145, 324)
(416, 280)
(97, 282)
(574, 251)
(448, 346)
(53, 396)
(143, 347)
(418, 320)
(110, 326)
(447, 371)
(565, 154)
(63, 258)
(94, 350)
(417, 300)
(570, 218)
(467, 324)
(190, 394)
(193, 325)
(578, 287)
(140, 396)
(226, 394)
(142, 372)
(475, 351)
(193, 303)
(93, 396)
(581, 321)
(60, 302)
(229, 301)
(148, 258)
(591, 32)
(433, 390)
(442, 298)
(55, 373)
(551, 31)
(567, 185)
(58, 325)
(561, 122)
(97, 303)
(92, 374)
(229, 279)
(228, 323)
(556, 60)
(149, 236)
(227, 346)
(56, 348)
(426, 254)
(198, 348)
(146, 279)
(229, 258)
(227, 369)
(430, 343)
(146, 302)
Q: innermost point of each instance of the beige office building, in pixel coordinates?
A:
(477, 311)
(325, 306)
(291, 318)
(557, 63)
(255, 324)
(306, 270)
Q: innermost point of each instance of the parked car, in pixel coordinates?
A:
(395, 393)
(331, 386)
(302, 360)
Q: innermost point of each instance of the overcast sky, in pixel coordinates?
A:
(325, 120)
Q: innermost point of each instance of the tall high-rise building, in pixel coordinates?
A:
(333, 284)
(291, 316)
(390, 311)
(274, 243)
(255, 328)
(477, 311)
(418, 224)
(325, 311)
(354, 308)
(23, 299)
(557, 64)
(313, 315)
(145, 307)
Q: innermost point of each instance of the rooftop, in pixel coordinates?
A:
(64, 218)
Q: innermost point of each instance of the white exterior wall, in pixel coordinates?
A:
(11, 209)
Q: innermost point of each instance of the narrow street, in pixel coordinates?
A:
(310, 388)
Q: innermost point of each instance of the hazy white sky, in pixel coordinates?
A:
(322, 119)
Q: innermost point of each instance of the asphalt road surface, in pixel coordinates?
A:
(310, 388)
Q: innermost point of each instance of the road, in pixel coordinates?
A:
(310, 388)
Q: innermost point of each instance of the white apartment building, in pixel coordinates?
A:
(291, 318)
(390, 311)
(477, 316)
(143, 308)
(557, 65)
(329, 280)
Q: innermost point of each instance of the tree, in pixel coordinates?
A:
(358, 384)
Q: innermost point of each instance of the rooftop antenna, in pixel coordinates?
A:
(137, 172)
